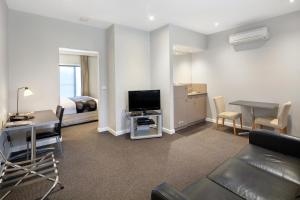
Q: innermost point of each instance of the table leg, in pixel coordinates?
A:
(252, 121)
(132, 127)
(33, 143)
(159, 124)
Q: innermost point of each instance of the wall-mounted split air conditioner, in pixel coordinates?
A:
(249, 36)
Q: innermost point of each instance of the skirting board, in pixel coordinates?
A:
(102, 129)
(115, 133)
(122, 132)
(169, 131)
(228, 123)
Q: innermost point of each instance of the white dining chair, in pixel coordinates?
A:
(280, 123)
(223, 114)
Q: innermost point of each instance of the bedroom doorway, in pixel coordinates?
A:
(79, 85)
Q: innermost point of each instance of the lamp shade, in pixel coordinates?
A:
(27, 92)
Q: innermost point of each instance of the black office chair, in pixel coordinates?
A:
(56, 132)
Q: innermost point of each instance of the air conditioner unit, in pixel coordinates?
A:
(249, 36)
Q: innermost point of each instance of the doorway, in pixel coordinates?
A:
(79, 85)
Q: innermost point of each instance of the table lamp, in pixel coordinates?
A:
(27, 92)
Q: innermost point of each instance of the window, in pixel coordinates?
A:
(70, 80)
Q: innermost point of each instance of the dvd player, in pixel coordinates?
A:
(145, 121)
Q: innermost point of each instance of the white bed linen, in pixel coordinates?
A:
(70, 106)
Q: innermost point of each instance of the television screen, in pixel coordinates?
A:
(144, 100)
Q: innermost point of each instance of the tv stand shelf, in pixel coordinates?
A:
(145, 124)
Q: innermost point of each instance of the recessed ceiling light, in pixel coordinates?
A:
(292, 1)
(216, 24)
(151, 17)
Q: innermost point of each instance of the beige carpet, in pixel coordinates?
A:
(102, 166)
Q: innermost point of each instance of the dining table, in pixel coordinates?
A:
(253, 105)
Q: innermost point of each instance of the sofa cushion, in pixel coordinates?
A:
(205, 189)
(167, 192)
(253, 183)
(285, 144)
(276, 163)
(229, 115)
(298, 195)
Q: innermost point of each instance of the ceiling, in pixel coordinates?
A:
(197, 15)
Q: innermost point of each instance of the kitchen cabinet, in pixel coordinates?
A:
(189, 104)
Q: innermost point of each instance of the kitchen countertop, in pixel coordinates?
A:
(196, 93)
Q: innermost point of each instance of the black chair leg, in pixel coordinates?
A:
(27, 152)
(60, 145)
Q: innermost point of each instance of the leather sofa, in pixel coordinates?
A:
(267, 168)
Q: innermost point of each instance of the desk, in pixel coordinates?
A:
(253, 104)
(41, 118)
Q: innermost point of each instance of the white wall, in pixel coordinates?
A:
(161, 73)
(188, 38)
(111, 78)
(132, 69)
(182, 69)
(134, 59)
(67, 59)
(269, 72)
(3, 62)
(34, 43)
(3, 69)
(185, 39)
(133, 55)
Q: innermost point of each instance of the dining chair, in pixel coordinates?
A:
(280, 123)
(50, 133)
(15, 175)
(223, 114)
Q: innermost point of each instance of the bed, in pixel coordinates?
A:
(79, 110)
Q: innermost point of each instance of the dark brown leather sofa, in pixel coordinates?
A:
(268, 168)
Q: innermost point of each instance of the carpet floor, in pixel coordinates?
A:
(102, 166)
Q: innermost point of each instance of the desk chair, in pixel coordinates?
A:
(17, 175)
(280, 123)
(55, 132)
(223, 114)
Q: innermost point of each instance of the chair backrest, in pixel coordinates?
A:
(58, 108)
(220, 104)
(59, 114)
(283, 114)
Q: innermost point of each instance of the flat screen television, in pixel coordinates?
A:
(144, 100)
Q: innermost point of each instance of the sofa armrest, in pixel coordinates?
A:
(276, 142)
(167, 192)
